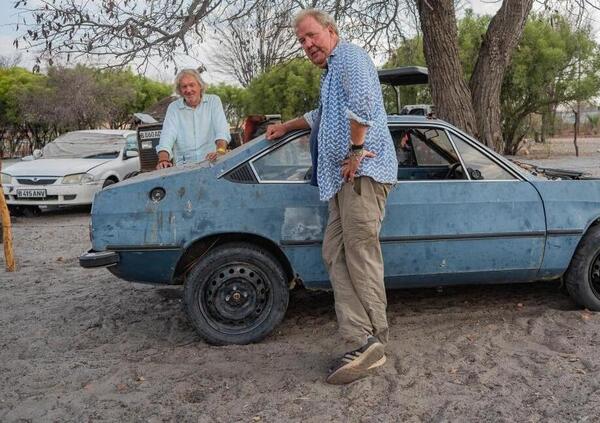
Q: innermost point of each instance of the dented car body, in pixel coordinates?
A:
(459, 214)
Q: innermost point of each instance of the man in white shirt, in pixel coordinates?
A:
(195, 127)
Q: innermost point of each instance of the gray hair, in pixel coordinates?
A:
(193, 73)
(318, 15)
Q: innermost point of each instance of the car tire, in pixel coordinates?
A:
(31, 211)
(108, 182)
(236, 294)
(583, 275)
(15, 211)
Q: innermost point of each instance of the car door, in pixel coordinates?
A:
(458, 214)
(283, 174)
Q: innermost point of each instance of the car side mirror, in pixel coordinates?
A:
(129, 154)
(37, 153)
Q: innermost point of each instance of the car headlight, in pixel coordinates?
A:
(78, 178)
(5, 178)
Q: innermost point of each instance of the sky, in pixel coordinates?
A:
(8, 18)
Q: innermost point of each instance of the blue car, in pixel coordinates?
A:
(239, 233)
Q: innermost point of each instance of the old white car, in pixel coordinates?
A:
(70, 170)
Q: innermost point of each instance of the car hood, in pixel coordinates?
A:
(53, 167)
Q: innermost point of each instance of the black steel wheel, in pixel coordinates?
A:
(236, 294)
(583, 275)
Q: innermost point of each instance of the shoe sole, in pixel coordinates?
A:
(372, 358)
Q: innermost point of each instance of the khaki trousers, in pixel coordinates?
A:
(352, 256)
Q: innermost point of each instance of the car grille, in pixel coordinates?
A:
(36, 181)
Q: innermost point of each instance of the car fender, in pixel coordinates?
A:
(195, 249)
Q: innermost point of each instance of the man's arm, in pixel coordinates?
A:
(278, 130)
(360, 110)
(168, 136)
(221, 130)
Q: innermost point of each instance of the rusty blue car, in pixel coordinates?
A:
(239, 233)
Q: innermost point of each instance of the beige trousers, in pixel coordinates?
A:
(352, 256)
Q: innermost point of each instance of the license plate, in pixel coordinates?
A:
(31, 193)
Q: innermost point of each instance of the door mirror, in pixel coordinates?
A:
(129, 154)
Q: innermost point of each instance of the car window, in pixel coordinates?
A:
(289, 163)
(132, 143)
(425, 154)
(479, 166)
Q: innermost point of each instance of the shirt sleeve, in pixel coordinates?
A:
(356, 72)
(219, 121)
(168, 135)
(309, 117)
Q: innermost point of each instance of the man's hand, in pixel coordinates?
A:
(163, 160)
(276, 130)
(164, 164)
(351, 164)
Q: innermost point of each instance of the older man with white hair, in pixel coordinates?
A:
(195, 127)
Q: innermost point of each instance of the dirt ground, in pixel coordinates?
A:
(81, 345)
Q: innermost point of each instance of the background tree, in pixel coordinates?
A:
(555, 64)
(233, 99)
(290, 88)
(13, 80)
(120, 32)
(249, 45)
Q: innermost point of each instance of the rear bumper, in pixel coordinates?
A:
(92, 259)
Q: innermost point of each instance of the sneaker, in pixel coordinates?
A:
(358, 363)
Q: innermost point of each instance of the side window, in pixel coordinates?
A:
(479, 166)
(425, 154)
(131, 143)
(289, 163)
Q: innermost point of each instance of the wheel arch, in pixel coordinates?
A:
(195, 250)
(592, 223)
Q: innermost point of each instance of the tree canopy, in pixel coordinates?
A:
(34, 108)
(290, 88)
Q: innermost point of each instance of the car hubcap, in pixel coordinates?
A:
(594, 275)
(237, 298)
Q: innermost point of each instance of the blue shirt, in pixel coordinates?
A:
(190, 133)
(350, 90)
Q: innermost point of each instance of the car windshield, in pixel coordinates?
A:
(86, 145)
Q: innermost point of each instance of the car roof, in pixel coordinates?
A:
(123, 132)
(406, 75)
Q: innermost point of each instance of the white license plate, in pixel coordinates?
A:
(31, 193)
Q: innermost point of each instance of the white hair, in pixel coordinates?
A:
(193, 73)
(320, 16)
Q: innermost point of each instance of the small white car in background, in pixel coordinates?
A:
(70, 170)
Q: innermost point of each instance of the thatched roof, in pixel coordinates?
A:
(159, 109)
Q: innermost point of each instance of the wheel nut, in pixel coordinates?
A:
(227, 298)
(236, 296)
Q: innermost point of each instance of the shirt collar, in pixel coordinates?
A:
(334, 51)
(181, 102)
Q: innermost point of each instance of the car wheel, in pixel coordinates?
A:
(31, 211)
(109, 181)
(583, 275)
(15, 210)
(237, 294)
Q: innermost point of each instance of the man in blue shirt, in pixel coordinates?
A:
(195, 127)
(356, 166)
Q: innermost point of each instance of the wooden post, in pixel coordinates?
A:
(9, 257)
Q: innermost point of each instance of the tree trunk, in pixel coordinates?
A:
(449, 91)
(500, 40)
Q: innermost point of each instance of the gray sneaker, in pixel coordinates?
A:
(358, 363)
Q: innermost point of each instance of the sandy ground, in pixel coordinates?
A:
(81, 345)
